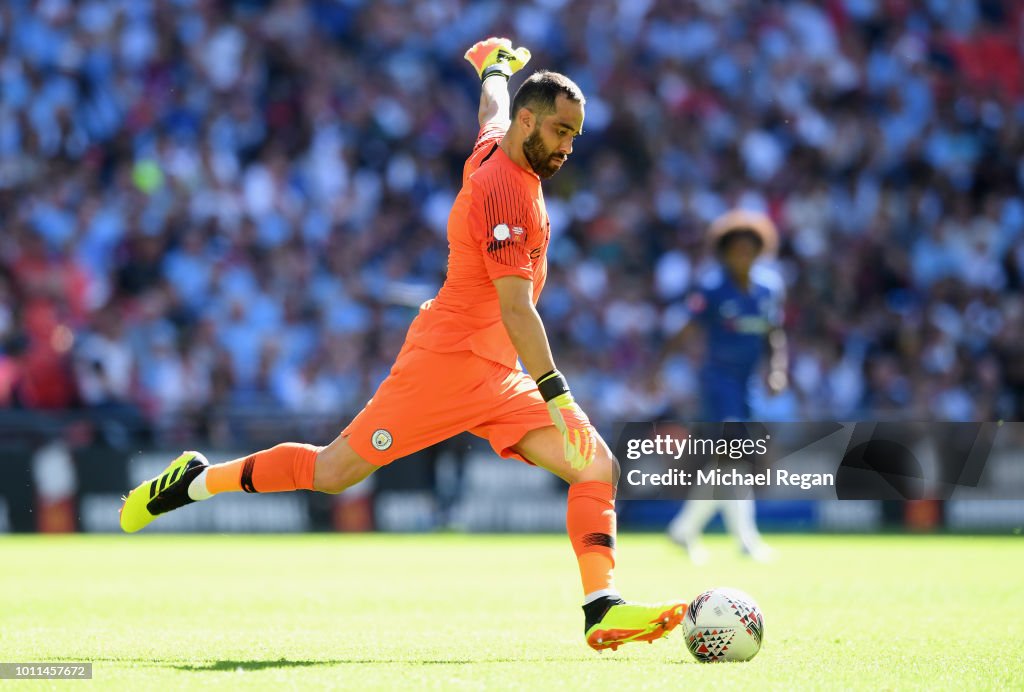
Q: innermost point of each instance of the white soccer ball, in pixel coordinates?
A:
(723, 625)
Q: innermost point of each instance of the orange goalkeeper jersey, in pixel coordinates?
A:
(498, 226)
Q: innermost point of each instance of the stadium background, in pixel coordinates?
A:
(217, 220)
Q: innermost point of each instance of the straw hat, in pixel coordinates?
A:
(744, 219)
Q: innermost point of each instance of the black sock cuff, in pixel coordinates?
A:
(595, 610)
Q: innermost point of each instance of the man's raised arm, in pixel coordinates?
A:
(495, 60)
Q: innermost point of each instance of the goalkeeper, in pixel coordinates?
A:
(459, 367)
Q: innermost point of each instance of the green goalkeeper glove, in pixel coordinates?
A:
(578, 435)
(497, 56)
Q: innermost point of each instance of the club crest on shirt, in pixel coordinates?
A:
(501, 232)
(381, 439)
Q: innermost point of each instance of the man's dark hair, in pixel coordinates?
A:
(735, 234)
(541, 89)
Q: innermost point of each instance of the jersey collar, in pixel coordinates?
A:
(508, 160)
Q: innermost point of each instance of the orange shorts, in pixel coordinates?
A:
(429, 397)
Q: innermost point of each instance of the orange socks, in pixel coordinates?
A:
(590, 520)
(287, 466)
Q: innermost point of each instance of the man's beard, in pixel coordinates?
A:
(540, 159)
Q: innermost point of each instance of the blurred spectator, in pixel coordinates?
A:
(104, 363)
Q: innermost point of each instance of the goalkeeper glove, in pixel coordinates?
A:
(496, 56)
(578, 435)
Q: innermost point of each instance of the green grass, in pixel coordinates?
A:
(470, 612)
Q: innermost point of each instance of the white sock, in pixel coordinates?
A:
(695, 515)
(197, 488)
(591, 597)
(739, 518)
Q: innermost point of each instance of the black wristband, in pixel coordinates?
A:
(552, 384)
(501, 68)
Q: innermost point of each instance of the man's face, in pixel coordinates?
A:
(549, 144)
(740, 254)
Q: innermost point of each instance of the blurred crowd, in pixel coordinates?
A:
(210, 206)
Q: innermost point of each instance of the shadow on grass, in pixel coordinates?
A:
(230, 666)
(285, 663)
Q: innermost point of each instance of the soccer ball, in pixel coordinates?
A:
(723, 625)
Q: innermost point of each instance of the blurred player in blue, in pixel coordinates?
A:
(738, 307)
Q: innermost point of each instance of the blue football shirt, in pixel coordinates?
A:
(736, 324)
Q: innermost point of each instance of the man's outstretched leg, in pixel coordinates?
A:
(284, 467)
(590, 521)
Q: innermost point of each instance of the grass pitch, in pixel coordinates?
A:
(470, 612)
